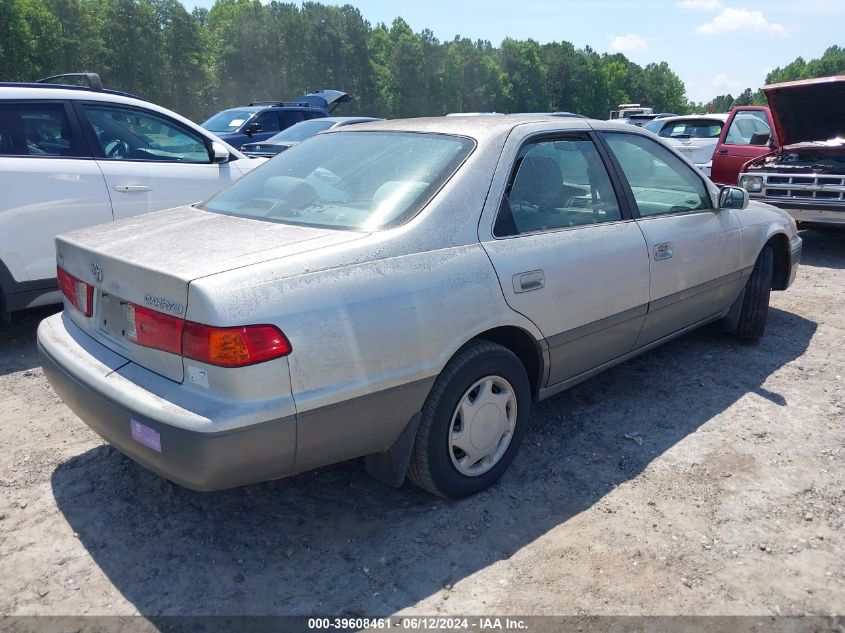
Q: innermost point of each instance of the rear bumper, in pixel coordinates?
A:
(201, 460)
(204, 443)
(705, 167)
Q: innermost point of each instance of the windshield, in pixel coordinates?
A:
(692, 128)
(227, 121)
(356, 180)
(301, 131)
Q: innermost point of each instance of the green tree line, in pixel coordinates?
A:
(240, 50)
(832, 62)
(243, 50)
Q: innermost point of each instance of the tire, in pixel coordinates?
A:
(482, 373)
(755, 302)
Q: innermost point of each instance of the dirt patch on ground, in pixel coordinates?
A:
(705, 477)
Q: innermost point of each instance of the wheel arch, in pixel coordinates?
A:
(525, 347)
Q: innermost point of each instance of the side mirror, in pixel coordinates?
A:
(733, 198)
(219, 153)
(253, 128)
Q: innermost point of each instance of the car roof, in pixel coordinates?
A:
(42, 86)
(722, 117)
(260, 107)
(350, 119)
(482, 128)
(39, 92)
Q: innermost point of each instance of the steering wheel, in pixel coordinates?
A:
(116, 149)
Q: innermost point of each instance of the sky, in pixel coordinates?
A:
(715, 46)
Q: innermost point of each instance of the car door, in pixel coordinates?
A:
(270, 126)
(150, 161)
(694, 250)
(735, 146)
(567, 255)
(50, 184)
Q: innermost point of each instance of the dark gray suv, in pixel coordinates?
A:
(260, 120)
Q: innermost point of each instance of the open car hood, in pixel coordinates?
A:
(808, 110)
(326, 99)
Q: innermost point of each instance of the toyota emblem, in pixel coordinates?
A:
(97, 272)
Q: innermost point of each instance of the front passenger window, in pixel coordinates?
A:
(557, 184)
(130, 134)
(268, 120)
(660, 181)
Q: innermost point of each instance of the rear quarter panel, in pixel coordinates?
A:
(362, 329)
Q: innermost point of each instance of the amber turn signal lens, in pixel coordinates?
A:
(233, 346)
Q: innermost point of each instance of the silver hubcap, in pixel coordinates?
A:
(482, 426)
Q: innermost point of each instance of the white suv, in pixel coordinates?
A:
(74, 156)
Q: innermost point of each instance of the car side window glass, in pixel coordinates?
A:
(557, 184)
(290, 117)
(36, 129)
(129, 134)
(268, 120)
(660, 181)
(745, 125)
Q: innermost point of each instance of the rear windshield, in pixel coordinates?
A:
(227, 121)
(654, 126)
(694, 128)
(302, 131)
(347, 180)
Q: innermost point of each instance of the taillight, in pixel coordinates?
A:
(233, 346)
(223, 346)
(154, 329)
(80, 294)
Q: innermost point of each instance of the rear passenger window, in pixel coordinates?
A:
(35, 129)
(557, 184)
(289, 117)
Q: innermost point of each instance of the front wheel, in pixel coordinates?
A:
(755, 299)
(472, 422)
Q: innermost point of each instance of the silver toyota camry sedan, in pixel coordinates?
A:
(401, 291)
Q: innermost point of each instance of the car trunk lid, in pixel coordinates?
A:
(808, 110)
(149, 261)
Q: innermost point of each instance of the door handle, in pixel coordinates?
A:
(132, 188)
(662, 251)
(528, 281)
(722, 151)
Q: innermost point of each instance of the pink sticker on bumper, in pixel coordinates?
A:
(143, 434)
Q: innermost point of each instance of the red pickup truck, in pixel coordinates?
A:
(804, 172)
(748, 133)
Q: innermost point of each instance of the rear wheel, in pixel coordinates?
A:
(472, 422)
(755, 300)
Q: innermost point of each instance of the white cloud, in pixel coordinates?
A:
(743, 20)
(627, 43)
(722, 81)
(700, 5)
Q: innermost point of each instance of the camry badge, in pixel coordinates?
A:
(164, 304)
(97, 272)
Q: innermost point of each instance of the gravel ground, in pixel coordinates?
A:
(705, 477)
